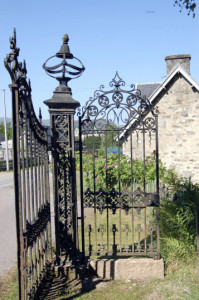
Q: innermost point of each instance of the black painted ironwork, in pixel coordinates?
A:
(120, 213)
(31, 180)
(64, 68)
(62, 109)
(112, 117)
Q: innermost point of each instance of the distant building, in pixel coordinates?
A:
(3, 149)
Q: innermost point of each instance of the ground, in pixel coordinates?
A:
(8, 247)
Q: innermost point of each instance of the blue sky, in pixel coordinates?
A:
(131, 37)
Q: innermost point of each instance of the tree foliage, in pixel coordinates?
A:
(100, 142)
(189, 5)
(9, 130)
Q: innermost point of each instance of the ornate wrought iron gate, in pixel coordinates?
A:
(119, 206)
(31, 181)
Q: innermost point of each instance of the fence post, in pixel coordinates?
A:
(62, 109)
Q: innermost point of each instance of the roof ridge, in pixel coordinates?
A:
(156, 82)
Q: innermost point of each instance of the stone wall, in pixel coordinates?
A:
(137, 144)
(178, 129)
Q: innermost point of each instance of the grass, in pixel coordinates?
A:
(181, 282)
(9, 286)
(114, 219)
(126, 220)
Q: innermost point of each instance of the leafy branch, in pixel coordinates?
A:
(189, 5)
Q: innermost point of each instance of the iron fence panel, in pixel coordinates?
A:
(31, 180)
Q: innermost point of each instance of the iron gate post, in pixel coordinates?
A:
(62, 109)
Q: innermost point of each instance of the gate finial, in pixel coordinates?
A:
(67, 71)
(64, 50)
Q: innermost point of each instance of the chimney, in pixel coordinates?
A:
(178, 60)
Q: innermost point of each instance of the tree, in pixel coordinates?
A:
(107, 138)
(190, 5)
(90, 140)
(9, 130)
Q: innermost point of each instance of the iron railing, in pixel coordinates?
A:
(31, 181)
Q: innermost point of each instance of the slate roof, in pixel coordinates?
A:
(147, 89)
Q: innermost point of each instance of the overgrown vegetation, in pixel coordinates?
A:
(178, 221)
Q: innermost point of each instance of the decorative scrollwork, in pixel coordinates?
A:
(149, 123)
(33, 230)
(139, 229)
(88, 198)
(125, 201)
(18, 72)
(112, 200)
(100, 124)
(62, 129)
(117, 81)
(61, 121)
(65, 195)
(92, 111)
(101, 200)
(117, 98)
(126, 230)
(103, 101)
(144, 107)
(115, 107)
(87, 125)
(138, 198)
(131, 100)
(155, 110)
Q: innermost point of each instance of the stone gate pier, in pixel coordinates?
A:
(128, 269)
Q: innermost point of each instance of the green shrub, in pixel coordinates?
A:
(105, 172)
(178, 223)
(177, 206)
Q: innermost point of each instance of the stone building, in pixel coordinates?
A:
(177, 98)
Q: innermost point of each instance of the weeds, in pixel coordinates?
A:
(178, 223)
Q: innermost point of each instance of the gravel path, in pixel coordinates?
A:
(8, 246)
